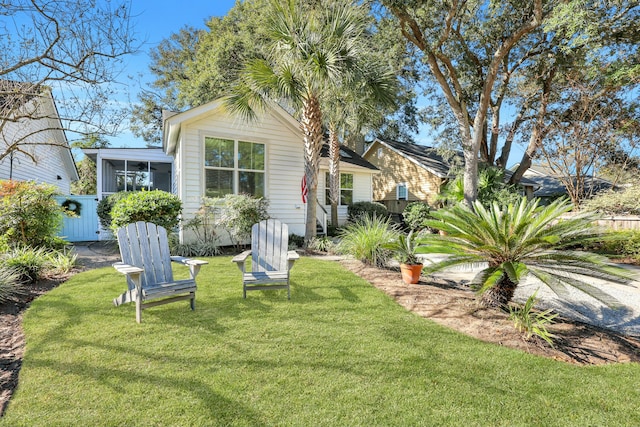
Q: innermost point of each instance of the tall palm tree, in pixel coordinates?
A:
(356, 105)
(311, 50)
(519, 240)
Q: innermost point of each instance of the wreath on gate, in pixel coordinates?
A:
(72, 207)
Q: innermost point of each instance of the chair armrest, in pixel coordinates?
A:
(292, 255)
(194, 264)
(241, 257)
(188, 261)
(240, 260)
(127, 269)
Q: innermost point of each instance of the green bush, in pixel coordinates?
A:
(618, 242)
(357, 210)
(10, 285)
(321, 244)
(296, 241)
(29, 214)
(195, 249)
(28, 263)
(105, 206)
(158, 207)
(612, 202)
(237, 214)
(415, 214)
(529, 322)
(366, 240)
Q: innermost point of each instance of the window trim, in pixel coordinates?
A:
(235, 170)
(406, 191)
(327, 189)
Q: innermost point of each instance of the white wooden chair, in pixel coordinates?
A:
(271, 259)
(146, 262)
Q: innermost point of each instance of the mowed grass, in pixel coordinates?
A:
(339, 353)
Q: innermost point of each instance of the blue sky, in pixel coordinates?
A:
(155, 21)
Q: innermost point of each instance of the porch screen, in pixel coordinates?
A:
(234, 167)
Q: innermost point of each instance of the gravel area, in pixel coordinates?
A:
(576, 304)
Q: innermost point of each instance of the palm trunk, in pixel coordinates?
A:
(500, 294)
(334, 173)
(311, 126)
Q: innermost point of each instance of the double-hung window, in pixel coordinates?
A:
(346, 189)
(402, 192)
(234, 167)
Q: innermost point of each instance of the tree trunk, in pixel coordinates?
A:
(334, 173)
(499, 295)
(311, 126)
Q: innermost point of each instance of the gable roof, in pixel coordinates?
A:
(550, 185)
(172, 122)
(429, 159)
(349, 156)
(422, 155)
(14, 95)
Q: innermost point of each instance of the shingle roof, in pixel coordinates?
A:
(347, 155)
(427, 157)
(431, 160)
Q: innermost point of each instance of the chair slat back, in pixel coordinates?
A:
(145, 245)
(269, 246)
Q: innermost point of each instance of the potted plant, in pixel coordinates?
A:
(404, 251)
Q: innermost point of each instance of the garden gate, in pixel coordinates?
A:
(83, 227)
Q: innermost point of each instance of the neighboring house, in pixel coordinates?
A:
(217, 153)
(408, 172)
(549, 186)
(31, 117)
(411, 172)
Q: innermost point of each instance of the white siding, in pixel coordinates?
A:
(284, 162)
(48, 159)
(362, 189)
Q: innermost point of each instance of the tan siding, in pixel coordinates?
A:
(395, 169)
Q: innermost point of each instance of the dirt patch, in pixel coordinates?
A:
(12, 337)
(453, 304)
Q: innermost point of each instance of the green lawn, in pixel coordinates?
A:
(339, 353)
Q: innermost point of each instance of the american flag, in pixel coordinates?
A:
(304, 189)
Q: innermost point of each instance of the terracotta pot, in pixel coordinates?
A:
(411, 273)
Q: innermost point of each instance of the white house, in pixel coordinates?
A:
(30, 118)
(216, 153)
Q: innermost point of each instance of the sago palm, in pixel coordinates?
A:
(311, 50)
(520, 240)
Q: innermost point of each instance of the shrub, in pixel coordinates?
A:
(157, 206)
(612, 202)
(415, 215)
(105, 206)
(618, 242)
(61, 262)
(28, 263)
(366, 239)
(29, 214)
(203, 227)
(359, 209)
(296, 241)
(321, 244)
(237, 214)
(195, 249)
(10, 285)
(529, 322)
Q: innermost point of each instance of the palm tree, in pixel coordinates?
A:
(519, 240)
(310, 52)
(357, 104)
